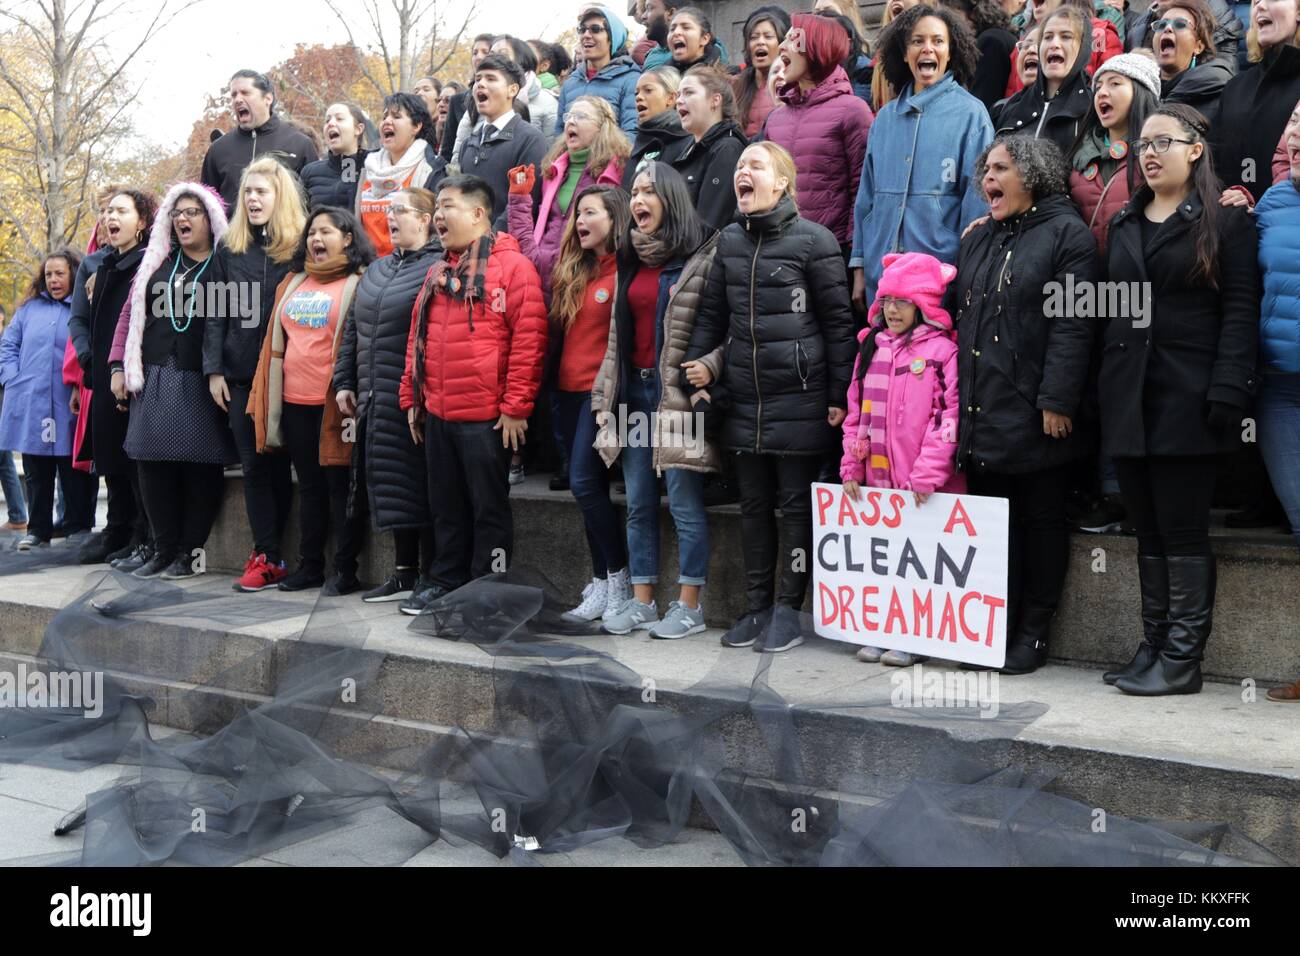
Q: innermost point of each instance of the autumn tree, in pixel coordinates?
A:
(400, 40)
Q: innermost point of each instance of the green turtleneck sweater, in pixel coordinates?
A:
(577, 163)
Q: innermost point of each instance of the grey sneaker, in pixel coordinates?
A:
(899, 658)
(679, 622)
(870, 655)
(633, 615)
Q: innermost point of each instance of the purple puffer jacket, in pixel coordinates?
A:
(825, 130)
(540, 240)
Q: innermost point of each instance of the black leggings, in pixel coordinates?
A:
(1168, 500)
(268, 485)
(322, 492)
(182, 500)
(768, 482)
(1038, 543)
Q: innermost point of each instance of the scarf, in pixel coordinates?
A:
(463, 282)
(335, 267)
(875, 392)
(649, 249)
(387, 177)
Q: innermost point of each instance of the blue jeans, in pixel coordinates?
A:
(1277, 415)
(685, 498)
(13, 488)
(589, 482)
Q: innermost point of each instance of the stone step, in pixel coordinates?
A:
(1222, 755)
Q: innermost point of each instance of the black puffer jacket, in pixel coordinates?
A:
(1058, 119)
(708, 166)
(1021, 355)
(778, 297)
(327, 184)
(1196, 345)
(371, 359)
(1253, 112)
(231, 345)
(661, 138)
(1200, 87)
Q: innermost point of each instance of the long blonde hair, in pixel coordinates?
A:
(1255, 52)
(881, 89)
(287, 220)
(610, 144)
(576, 267)
(782, 165)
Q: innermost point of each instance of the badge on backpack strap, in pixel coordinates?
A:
(918, 366)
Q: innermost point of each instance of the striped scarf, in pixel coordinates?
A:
(875, 393)
(464, 283)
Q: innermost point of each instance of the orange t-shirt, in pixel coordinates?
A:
(309, 316)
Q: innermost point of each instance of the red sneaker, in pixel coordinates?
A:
(260, 574)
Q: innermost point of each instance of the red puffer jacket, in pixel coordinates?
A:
(482, 362)
(825, 131)
(1098, 201)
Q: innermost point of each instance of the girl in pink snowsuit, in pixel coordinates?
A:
(901, 429)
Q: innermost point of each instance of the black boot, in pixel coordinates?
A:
(1027, 651)
(1177, 668)
(1153, 580)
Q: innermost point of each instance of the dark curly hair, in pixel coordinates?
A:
(146, 207)
(37, 287)
(418, 111)
(891, 45)
(983, 14)
(360, 252)
(1040, 162)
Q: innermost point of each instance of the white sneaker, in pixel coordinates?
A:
(619, 593)
(593, 601)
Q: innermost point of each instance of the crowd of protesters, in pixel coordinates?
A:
(835, 254)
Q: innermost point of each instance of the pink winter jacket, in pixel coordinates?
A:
(540, 240)
(921, 434)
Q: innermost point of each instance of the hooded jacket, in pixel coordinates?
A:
(1253, 112)
(31, 373)
(229, 156)
(778, 301)
(917, 191)
(1278, 218)
(707, 166)
(1021, 355)
(825, 130)
(1200, 87)
(615, 83)
(371, 359)
(1059, 118)
(660, 137)
(480, 361)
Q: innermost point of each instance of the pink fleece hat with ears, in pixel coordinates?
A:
(919, 278)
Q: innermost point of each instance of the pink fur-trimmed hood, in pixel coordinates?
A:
(160, 247)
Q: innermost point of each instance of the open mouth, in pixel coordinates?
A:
(184, 230)
(761, 56)
(641, 216)
(583, 233)
(678, 46)
(641, 109)
(1168, 44)
(441, 229)
(1056, 58)
(1104, 111)
(995, 196)
(114, 230)
(318, 251)
(744, 189)
(243, 114)
(785, 60)
(387, 133)
(571, 135)
(1262, 20)
(683, 112)
(332, 136)
(1293, 155)
(1151, 168)
(927, 66)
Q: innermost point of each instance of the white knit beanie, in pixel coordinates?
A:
(1138, 68)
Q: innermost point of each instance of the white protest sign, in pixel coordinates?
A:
(928, 579)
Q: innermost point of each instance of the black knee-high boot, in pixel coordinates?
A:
(1177, 667)
(1153, 580)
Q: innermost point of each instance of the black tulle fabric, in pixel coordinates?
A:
(564, 751)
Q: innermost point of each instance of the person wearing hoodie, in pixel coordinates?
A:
(651, 51)
(606, 70)
(541, 102)
(659, 135)
(258, 132)
(907, 365)
(707, 107)
(592, 152)
(1055, 106)
(1104, 173)
(473, 367)
(1226, 29)
(785, 371)
(1191, 70)
(1105, 37)
(332, 181)
(691, 42)
(255, 253)
(763, 33)
(388, 481)
(916, 192)
(179, 439)
(821, 123)
(406, 157)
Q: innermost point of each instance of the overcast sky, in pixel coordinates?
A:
(207, 43)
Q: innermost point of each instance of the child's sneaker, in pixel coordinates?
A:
(679, 622)
(631, 616)
(261, 574)
(593, 603)
(870, 655)
(899, 658)
(617, 593)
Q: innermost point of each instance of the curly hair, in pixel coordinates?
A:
(891, 46)
(37, 287)
(146, 207)
(983, 14)
(1040, 162)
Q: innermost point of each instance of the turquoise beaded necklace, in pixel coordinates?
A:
(194, 293)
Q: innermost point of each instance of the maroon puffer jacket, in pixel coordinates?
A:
(825, 130)
(1098, 202)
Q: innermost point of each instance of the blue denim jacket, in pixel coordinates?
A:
(917, 191)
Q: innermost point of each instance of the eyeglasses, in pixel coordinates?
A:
(1160, 144)
(1178, 23)
(889, 302)
(595, 29)
(400, 209)
(580, 117)
(191, 214)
